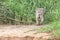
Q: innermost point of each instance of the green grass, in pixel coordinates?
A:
(53, 28)
(24, 10)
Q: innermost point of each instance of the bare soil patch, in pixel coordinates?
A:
(19, 32)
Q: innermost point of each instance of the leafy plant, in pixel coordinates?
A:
(24, 10)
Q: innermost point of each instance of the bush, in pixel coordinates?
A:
(6, 13)
(53, 28)
(24, 10)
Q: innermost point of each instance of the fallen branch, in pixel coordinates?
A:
(12, 19)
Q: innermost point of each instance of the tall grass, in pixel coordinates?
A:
(53, 28)
(23, 11)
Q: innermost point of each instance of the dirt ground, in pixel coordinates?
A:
(22, 32)
(17, 29)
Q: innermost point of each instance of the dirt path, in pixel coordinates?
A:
(17, 29)
(22, 32)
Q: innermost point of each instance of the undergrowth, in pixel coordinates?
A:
(53, 28)
(23, 11)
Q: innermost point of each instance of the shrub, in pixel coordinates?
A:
(24, 10)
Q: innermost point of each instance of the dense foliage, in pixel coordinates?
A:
(53, 28)
(23, 11)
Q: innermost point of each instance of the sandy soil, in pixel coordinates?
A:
(22, 32)
(17, 29)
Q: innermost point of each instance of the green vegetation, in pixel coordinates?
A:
(53, 28)
(23, 12)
